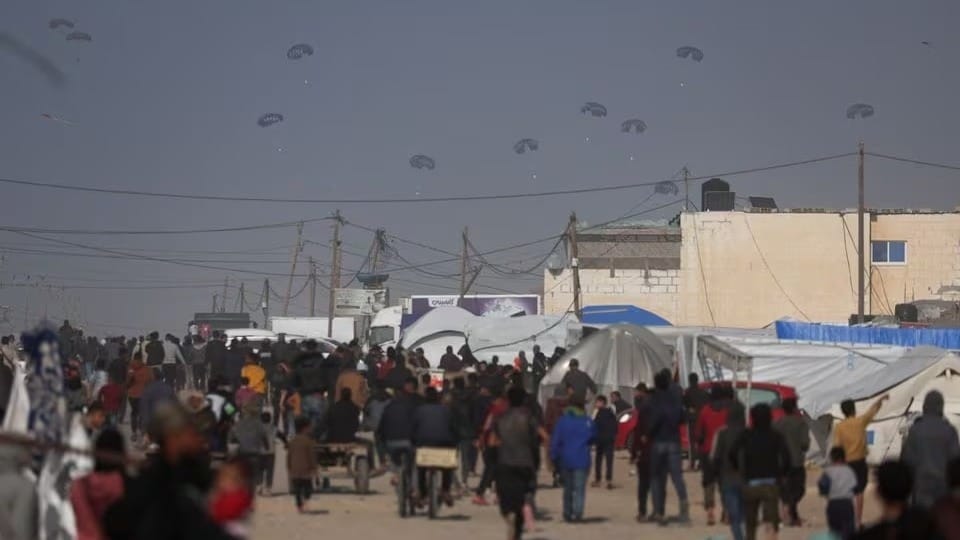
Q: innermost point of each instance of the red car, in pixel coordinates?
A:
(769, 393)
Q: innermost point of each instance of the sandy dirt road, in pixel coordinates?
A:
(610, 515)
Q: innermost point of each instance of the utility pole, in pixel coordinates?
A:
(266, 303)
(860, 233)
(313, 288)
(242, 299)
(297, 247)
(377, 248)
(223, 299)
(334, 271)
(464, 265)
(214, 310)
(686, 188)
(575, 264)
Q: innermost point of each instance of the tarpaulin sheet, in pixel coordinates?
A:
(944, 338)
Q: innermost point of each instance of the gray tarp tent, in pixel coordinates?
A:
(616, 358)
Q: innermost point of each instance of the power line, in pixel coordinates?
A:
(99, 232)
(756, 244)
(490, 197)
(914, 161)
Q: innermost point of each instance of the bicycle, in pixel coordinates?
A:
(434, 462)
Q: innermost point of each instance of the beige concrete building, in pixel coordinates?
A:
(750, 268)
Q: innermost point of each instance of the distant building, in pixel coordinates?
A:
(749, 268)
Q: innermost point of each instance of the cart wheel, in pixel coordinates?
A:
(361, 476)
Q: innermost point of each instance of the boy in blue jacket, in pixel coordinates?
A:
(570, 452)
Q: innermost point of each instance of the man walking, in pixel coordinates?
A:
(796, 433)
(606, 423)
(666, 415)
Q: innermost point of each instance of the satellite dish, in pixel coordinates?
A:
(555, 265)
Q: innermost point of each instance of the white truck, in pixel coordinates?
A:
(385, 327)
(314, 327)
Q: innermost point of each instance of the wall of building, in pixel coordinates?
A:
(932, 267)
(653, 290)
(749, 269)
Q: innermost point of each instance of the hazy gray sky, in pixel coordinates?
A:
(166, 97)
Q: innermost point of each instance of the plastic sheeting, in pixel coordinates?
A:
(626, 314)
(907, 381)
(504, 337)
(616, 358)
(822, 374)
(945, 338)
(435, 321)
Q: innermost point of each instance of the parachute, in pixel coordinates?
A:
(523, 145)
(634, 125)
(79, 36)
(269, 119)
(57, 23)
(666, 188)
(859, 110)
(299, 50)
(594, 109)
(690, 52)
(421, 161)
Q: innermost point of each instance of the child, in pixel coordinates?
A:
(837, 484)
(268, 457)
(244, 393)
(301, 462)
(231, 501)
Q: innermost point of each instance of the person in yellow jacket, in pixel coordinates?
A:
(255, 374)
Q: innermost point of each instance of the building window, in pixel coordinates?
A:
(889, 251)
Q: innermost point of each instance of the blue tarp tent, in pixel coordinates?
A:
(622, 314)
(945, 338)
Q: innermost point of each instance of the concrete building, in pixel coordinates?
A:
(750, 268)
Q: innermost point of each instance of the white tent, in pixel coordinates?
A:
(436, 330)
(907, 381)
(616, 358)
(504, 337)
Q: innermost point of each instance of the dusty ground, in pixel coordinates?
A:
(610, 515)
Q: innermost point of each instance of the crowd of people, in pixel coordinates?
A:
(209, 416)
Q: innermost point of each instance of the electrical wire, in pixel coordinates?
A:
(914, 161)
(100, 232)
(490, 197)
(746, 221)
(703, 274)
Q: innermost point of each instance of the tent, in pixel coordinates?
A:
(600, 315)
(616, 358)
(504, 337)
(438, 329)
(907, 381)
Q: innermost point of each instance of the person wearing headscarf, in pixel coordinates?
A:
(930, 444)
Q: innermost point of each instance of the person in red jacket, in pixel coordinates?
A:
(712, 417)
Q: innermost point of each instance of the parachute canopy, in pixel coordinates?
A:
(859, 110)
(299, 50)
(594, 109)
(666, 188)
(523, 145)
(690, 52)
(79, 36)
(57, 23)
(269, 119)
(421, 161)
(634, 125)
